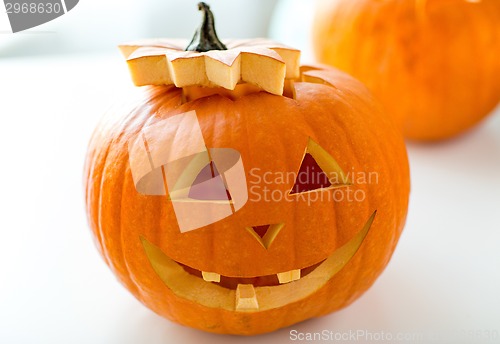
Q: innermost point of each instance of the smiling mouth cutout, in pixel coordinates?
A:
(250, 294)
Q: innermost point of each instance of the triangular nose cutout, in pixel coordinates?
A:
(265, 234)
(261, 230)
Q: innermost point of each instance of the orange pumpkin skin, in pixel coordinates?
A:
(271, 133)
(434, 65)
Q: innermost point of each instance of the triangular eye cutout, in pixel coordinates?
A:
(265, 234)
(310, 176)
(208, 185)
(318, 170)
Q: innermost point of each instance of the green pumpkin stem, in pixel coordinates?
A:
(205, 38)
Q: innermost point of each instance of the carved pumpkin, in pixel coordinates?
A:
(232, 208)
(434, 65)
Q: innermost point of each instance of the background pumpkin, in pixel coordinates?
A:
(271, 132)
(433, 64)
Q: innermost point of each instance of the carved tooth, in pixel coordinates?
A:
(288, 276)
(246, 299)
(210, 276)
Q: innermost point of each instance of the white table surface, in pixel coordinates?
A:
(54, 287)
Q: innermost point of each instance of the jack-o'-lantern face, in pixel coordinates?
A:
(205, 186)
(245, 193)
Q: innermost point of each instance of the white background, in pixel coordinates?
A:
(4, 20)
(54, 287)
(96, 25)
